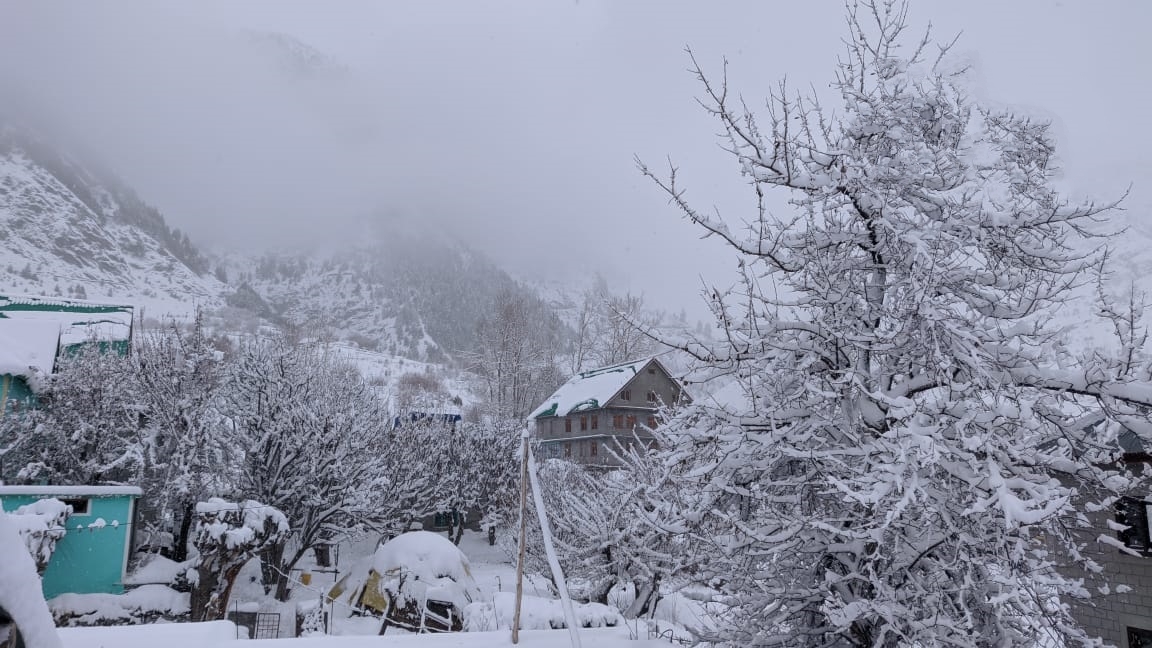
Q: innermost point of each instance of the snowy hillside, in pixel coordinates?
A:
(409, 295)
(68, 230)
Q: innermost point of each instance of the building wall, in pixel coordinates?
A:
(589, 437)
(87, 560)
(634, 426)
(649, 379)
(1109, 616)
(15, 393)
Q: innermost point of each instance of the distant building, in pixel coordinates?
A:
(604, 409)
(35, 332)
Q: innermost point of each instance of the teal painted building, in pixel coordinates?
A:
(36, 331)
(92, 557)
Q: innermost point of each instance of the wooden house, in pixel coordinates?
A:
(605, 409)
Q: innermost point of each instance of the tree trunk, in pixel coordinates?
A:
(647, 595)
(180, 551)
(456, 532)
(600, 593)
(272, 569)
(206, 582)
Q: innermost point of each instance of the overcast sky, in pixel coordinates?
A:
(514, 124)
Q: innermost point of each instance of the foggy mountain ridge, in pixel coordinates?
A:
(294, 56)
(72, 229)
(414, 296)
(69, 228)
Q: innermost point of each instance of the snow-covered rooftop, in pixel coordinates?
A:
(33, 328)
(71, 491)
(75, 321)
(27, 346)
(590, 389)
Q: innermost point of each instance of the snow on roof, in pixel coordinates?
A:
(75, 321)
(71, 491)
(27, 346)
(10, 303)
(590, 389)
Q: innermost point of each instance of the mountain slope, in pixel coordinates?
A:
(407, 294)
(67, 228)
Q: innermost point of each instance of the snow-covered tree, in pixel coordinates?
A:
(909, 460)
(608, 535)
(611, 328)
(228, 535)
(310, 433)
(517, 345)
(184, 452)
(477, 469)
(86, 430)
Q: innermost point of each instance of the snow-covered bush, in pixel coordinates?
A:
(144, 604)
(41, 524)
(536, 613)
(606, 534)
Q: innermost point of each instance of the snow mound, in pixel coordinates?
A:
(142, 604)
(168, 635)
(421, 565)
(158, 570)
(536, 613)
(21, 596)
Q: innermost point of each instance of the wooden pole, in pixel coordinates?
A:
(550, 549)
(523, 534)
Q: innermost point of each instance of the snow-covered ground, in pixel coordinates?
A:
(492, 570)
(222, 634)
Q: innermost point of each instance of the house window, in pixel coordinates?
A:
(594, 449)
(583, 423)
(652, 371)
(79, 505)
(652, 397)
(1139, 638)
(626, 395)
(567, 425)
(568, 449)
(595, 421)
(651, 422)
(1133, 513)
(630, 422)
(618, 422)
